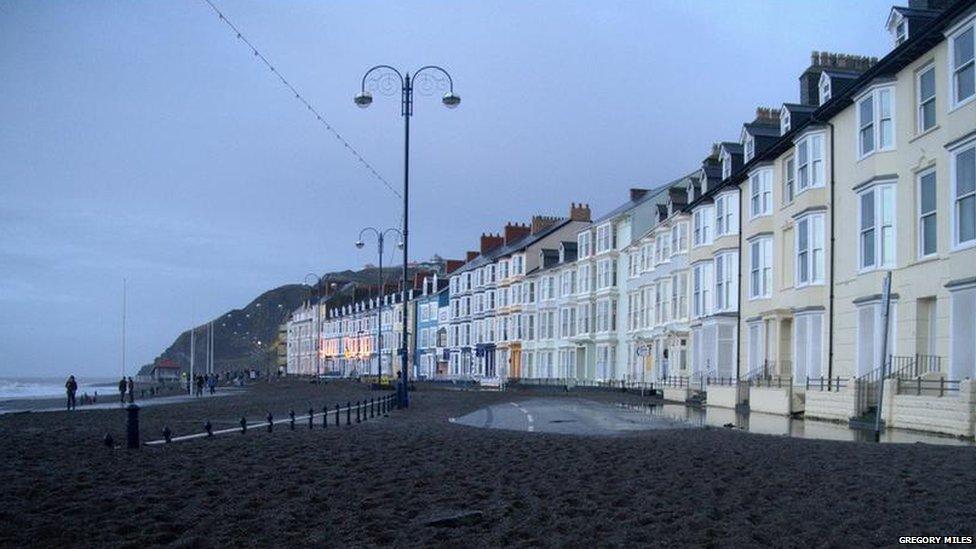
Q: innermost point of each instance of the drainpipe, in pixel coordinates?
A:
(830, 316)
(738, 289)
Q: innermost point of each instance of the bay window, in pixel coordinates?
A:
(809, 163)
(701, 294)
(760, 192)
(604, 240)
(877, 227)
(963, 173)
(810, 250)
(726, 292)
(760, 267)
(789, 180)
(702, 231)
(726, 209)
(962, 69)
(875, 115)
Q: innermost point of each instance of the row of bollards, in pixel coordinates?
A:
(365, 409)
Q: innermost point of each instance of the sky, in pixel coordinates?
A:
(143, 140)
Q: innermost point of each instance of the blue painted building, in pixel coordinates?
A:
(429, 332)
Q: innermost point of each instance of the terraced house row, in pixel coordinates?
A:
(756, 277)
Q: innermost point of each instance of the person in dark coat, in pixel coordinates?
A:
(122, 386)
(199, 382)
(132, 390)
(71, 387)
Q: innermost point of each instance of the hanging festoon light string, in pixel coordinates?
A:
(301, 98)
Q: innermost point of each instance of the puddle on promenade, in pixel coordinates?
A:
(769, 424)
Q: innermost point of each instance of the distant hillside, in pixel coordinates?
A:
(245, 338)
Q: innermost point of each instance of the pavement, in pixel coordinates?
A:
(571, 416)
(48, 404)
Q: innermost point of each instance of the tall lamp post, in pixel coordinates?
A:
(380, 237)
(364, 99)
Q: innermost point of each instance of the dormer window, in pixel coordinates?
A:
(749, 146)
(784, 121)
(901, 32)
(726, 166)
(824, 88)
(691, 192)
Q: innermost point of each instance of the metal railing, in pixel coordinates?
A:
(772, 381)
(675, 381)
(826, 383)
(927, 387)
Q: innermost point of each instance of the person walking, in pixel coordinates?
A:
(71, 387)
(122, 386)
(212, 384)
(132, 390)
(199, 383)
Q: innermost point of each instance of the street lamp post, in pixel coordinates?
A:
(363, 99)
(380, 237)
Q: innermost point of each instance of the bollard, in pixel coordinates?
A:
(325, 416)
(337, 414)
(270, 419)
(386, 406)
(348, 413)
(359, 406)
(132, 426)
(291, 414)
(372, 407)
(311, 416)
(167, 434)
(108, 441)
(243, 425)
(208, 427)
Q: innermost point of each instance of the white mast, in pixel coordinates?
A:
(192, 355)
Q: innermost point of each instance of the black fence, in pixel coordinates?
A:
(927, 387)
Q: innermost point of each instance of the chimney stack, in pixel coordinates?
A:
(490, 241)
(767, 115)
(579, 212)
(470, 256)
(452, 265)
(637, 194)
(822, 60)
(542, 222)
(515, 231)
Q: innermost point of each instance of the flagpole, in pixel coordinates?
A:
(123, 326)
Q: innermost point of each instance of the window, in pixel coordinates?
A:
(810, 250)
(824, 88)
(583, 245)
(726, 168)
(726, 293)
(784, 121)
(702, 219)
(603, 240)
(760, 193)
(761, 270)
(789, 179)
(701, 282)
(679, 295)
(606, 274)
(877, 222)
(583, 318)
(962, 322)
(963, 72)
(679, 238)
(876, 122)
(963, 172)
(808, 346)
(927, 229)
(925, 92)
(726, 209)
(749, 146)
(901, 31)
(809, 162)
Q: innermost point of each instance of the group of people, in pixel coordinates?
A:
(127, 385)
(201, 381)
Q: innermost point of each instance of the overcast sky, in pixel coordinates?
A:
(144, 140)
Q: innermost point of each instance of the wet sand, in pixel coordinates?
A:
(385, 482)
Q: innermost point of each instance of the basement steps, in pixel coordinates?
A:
(865, 421)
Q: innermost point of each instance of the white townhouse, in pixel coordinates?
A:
(488, 292)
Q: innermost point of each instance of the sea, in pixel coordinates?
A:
(41, 387)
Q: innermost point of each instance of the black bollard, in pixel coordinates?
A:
(167, 434)
(337, 415)
(291, 414)
(243, 425)
(348, 413)
(325, 416)
(108, 440)
(359, 406)
(311, 416)
(372, 407)
(132, 426)
(208, 427)
(270, 422)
